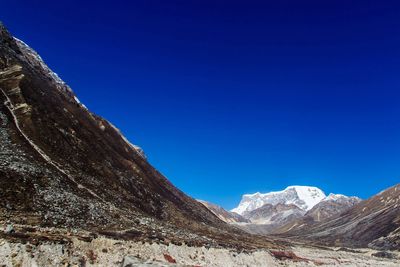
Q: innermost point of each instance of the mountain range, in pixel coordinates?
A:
(276, 212)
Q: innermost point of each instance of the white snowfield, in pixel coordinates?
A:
(304, 197)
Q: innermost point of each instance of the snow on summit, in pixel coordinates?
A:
(304, 197)
(310, 195)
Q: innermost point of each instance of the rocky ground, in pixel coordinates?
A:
(66, 247)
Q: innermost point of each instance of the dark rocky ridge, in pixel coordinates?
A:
(63, 166)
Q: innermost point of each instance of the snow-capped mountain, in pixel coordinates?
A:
(304, 197)
(278, 212)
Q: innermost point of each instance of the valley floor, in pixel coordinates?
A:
(102, 251)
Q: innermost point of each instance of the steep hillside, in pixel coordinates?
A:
(63, 166)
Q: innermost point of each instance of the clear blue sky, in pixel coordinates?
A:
(233, 97)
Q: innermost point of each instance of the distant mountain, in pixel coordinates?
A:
(224, 215)
(287, 209)
(304, 197)
(374, 222)
(329, 207)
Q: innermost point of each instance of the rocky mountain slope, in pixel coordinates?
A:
(374, 222)
(224, 215)
(331, 205)
(63, 166)
(275, 214)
